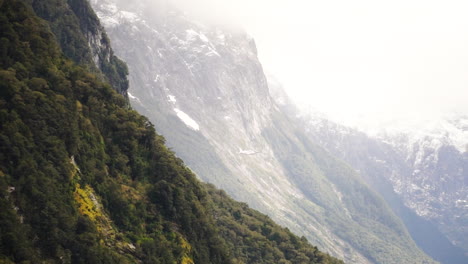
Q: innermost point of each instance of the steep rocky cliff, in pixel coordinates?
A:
(85, 179)
(206, 92)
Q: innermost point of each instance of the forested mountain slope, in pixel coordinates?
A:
(85, 179)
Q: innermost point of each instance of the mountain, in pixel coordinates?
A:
(436, 188)
(86, 179)
(205, 90)
(421, 173)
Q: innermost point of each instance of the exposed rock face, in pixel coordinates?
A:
(206, 92)
(187, 76)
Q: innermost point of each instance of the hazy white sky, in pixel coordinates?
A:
(362, 59)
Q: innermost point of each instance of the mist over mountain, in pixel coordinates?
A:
(204, 88)
(419, 170)
(86, 178)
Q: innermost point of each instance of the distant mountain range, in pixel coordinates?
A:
(421, 171)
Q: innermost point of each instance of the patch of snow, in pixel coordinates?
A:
(192, 35)
(221, 36)
(107, 21)
(160, 54)
(110, 16)
(132, 97)
(129, 16)
(172, 99)
(431, 134)
(461, 203)
(188, 121)
(414, 187)
(247, 152)
(203, 37)
(110, 7)
(212, 52)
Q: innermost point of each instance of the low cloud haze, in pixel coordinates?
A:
(358, 60)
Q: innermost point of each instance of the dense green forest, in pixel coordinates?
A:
(253, 237)
(85, 179)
